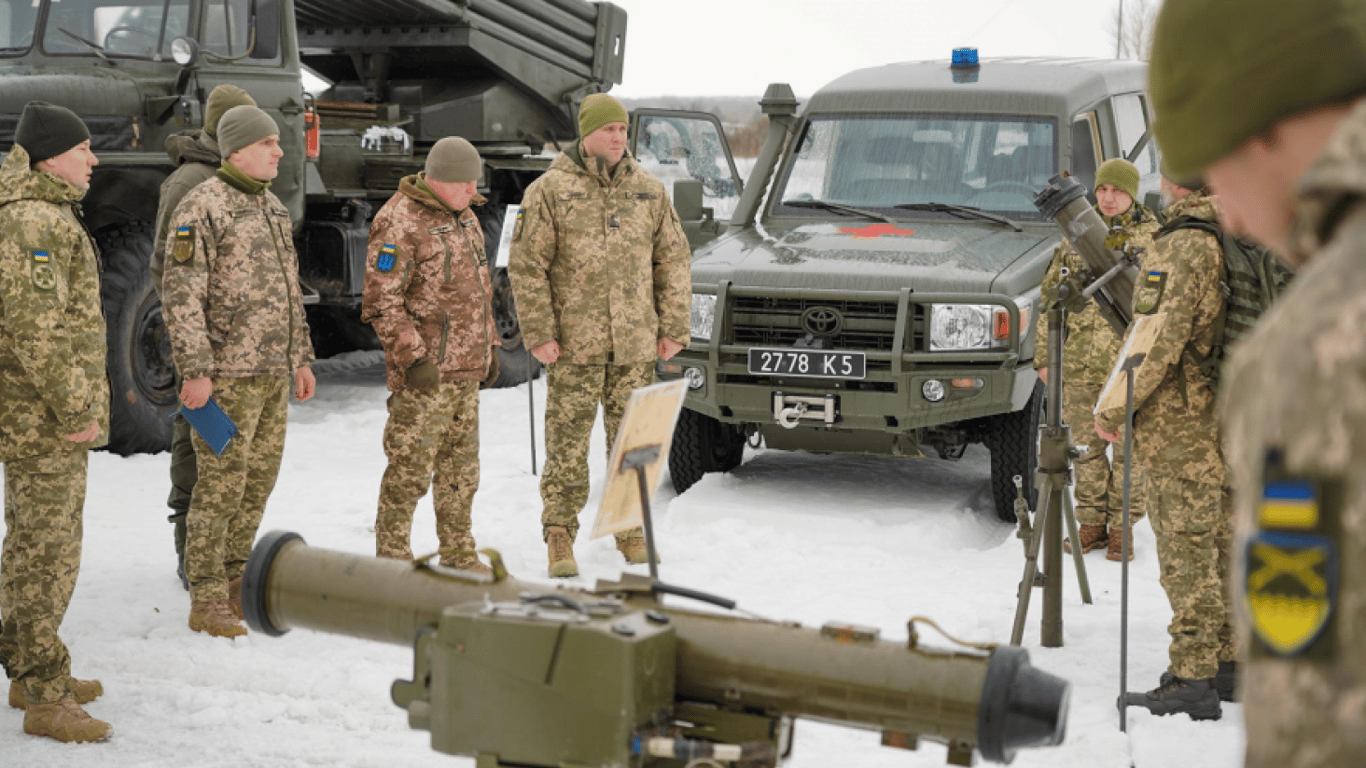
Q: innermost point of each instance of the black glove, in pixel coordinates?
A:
(424, 377)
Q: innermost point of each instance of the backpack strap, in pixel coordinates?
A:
(1210, 364)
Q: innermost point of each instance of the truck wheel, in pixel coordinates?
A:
(1014, 445)
(513, 357)
(141, 372)
(702, 444)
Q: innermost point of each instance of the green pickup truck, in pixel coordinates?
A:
(874, 288)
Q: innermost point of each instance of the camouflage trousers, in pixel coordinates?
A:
(1193, 523)
(230, 496)
(432, 441)
(573, 395)
(1099, 480)
(44, 496)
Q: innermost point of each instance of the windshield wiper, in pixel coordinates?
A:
(92, 46)
(847, 210)
(961, 211)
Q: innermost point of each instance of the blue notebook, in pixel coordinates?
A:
(212, 424)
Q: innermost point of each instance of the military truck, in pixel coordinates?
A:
(506, 74)
(881, 303)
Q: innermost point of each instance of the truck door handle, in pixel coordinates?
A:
(291, 107)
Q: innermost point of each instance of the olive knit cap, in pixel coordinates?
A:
(243, 126)
(598, 110)
(222, 99)
(1119, 173)
(47, 130)
(1219, 78)
(454, 160)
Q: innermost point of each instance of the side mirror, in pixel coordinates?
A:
(688, 199)
(267, 28)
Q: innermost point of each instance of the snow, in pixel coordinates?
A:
(871, 541)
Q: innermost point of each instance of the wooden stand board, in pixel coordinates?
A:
(648, 420)
(1139, 340)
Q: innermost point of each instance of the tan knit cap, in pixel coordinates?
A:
(598, 110)
(454, 160)
(243, 126)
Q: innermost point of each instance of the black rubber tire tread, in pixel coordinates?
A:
(1014, 445)
(141, 373)
(700, 445)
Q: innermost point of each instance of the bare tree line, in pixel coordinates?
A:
(1131, 28)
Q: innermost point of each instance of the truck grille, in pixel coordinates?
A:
(777, 322)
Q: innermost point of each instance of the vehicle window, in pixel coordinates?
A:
(228, 28)
(1085, 159)
(1132, 120)
(677, 148)
(992, 163)
(130, 28)
(17, 20)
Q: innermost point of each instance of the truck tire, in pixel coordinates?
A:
(515, 363)
(700, 445)
(1013, 441)
(141, 371)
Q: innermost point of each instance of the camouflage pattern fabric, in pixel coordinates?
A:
(432, 441)
(1091, 346)
(428, 292)
(231, 293)
(44, 496)
(1192, 521)
(573, 395)
(195, 155)
(184, 470)
(52, 334)
(230, 497)
(1295, 391)
(600, 263)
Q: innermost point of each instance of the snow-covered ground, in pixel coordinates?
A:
(791, 536)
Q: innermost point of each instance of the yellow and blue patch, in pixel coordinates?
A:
(44, 278)
(388, 256)
(183, 249)
(1289, 590)
(42, 257)
(1288, 504)
(1148, 292)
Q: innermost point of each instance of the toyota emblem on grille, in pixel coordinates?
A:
(822, 321)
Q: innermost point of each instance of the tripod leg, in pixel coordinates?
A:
(1069, 515)
(1031, 569)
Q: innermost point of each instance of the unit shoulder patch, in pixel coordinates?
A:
(388, 256)
(1148, 292)
(1289, 590)
(44, 277)
(183, 249)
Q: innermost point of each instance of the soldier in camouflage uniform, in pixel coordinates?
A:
(54, 407)
(1091, 347)
(235, 312)
(1176, 440)
(195, 154)
(428, 296)
(601, 269)
(1288, 159)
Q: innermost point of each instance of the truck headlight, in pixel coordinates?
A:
(703, 315)
(956, 327)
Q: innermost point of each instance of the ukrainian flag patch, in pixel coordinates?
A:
(1288, 504)
(388, 254)
(182, 249)
(42, 257)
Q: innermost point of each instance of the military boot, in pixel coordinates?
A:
(1225, 680)
(235, 598)
(179, 520)
(215, 617)
(631, 545)
(1117, 536)
(83, 691)
(467, 561)
(1090, 536)
(560, 549)
(1177, 695)
(65, 721)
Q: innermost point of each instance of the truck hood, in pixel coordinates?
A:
(862, 255)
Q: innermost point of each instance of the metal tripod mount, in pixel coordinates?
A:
(1055, 503)
(1130, 363)
(640, 459)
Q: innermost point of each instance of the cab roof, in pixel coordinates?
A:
(1015, 86)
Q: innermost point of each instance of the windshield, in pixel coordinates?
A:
(128, 28)
(879, 162)
(17, 21)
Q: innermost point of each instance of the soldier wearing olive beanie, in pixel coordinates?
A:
(598, 110)
(1266, 104)
(1119, 173)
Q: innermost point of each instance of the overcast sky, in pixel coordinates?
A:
(738, 47)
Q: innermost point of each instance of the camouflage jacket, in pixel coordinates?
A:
(427, 287)
(231, 291)
(1176, 432)
(195, 155)
(1091, 344)
(1294, 404)
(52, 337)
(600, 264)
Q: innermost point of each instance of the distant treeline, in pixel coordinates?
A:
(744, 123)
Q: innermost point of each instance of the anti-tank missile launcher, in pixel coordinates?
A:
(514, 673)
